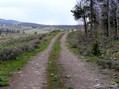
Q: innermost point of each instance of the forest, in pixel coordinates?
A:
(100, 38)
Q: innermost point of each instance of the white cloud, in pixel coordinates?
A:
(46, 11)
(48, 22)
(12, 13)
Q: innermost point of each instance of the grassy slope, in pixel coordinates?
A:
(39, 31)
(7, 67)
(54, 81)
(76, 51)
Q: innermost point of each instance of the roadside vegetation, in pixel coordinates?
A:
(14, 53)
(9, 36)
(99, 40)
(36, 31)
(54, 80)
(105, 54)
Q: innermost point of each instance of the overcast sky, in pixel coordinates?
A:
(38, 11)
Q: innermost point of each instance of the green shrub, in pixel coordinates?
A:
(95, 48)
(12, 52)
(4, 83)
(70, 88)
(104, 51)
(115, 65)
(21, 40)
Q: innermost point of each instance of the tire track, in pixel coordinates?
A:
(33, 75)
(77, 73)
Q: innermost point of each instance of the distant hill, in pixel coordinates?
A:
(17, 25)
(3, 21)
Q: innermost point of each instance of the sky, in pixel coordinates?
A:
(51, 12)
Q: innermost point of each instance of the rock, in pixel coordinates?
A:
(113, 85)
(44, 83)
(37, 64)
(114, 74)
(19, 72)
(52, 74)
(67, 76)
(98, 86)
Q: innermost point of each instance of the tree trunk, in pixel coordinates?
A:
(116, 28)
(108, 19)
(85, 26)
(117, 17)
(91, 28)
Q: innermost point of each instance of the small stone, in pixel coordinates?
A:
(44, 83)
(98, 86)
(19, 72)
(67, 76)
(52, 74)
(37, 64)
(114, 85)
(114, 74)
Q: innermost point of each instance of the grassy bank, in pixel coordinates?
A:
(7, 67)
(54, 81)
(82, 46)
(108, 57)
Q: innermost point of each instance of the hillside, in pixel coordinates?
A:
(17, 25)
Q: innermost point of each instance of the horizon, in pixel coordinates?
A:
(41, 23)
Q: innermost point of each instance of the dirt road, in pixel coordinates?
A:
(33, 75)
(75, 72)
(78, 74)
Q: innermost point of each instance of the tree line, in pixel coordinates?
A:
(101, 21)
(98, 15)
(6, 30)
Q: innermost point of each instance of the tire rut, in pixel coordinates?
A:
(77, 74)
(33, 75)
